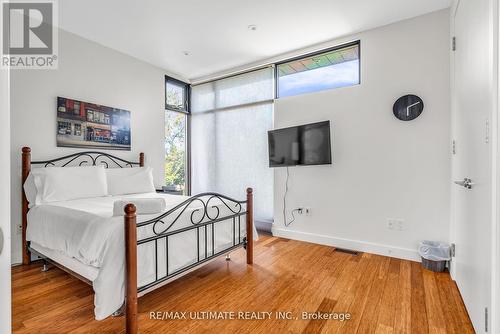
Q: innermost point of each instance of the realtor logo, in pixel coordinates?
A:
(29, 34)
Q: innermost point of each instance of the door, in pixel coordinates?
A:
(4, 204)
(472, 109)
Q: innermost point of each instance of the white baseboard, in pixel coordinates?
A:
(15, 259)
(360, 246)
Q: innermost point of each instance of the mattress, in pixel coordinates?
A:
(84, 235)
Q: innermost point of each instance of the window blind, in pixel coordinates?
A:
(229, 123)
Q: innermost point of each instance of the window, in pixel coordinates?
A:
(229, 122)
(63, 128)
(76, 108)
(175, 151)
(176, 95)
(77, 130)
(338, 67)
(176, 125)
(98, 117)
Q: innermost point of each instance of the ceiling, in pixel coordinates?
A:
(215, 33)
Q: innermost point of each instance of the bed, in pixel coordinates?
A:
(126, 256)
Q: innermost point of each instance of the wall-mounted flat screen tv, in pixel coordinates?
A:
(307, 144)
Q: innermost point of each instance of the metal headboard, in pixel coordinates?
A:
(91, 158)
(88, 158)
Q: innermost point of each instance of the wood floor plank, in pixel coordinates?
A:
(382, 295)
(343, 291)
(275, 241)
(463, 316)
(363, 292)
(434, 311)
(316, 325)
(321, 283)
(419, 319)
(450, 309)
(386, 316)
(402, 313)
(368, 323)
(296, 296)
(316, 285)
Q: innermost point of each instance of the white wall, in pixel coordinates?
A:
(5, 300)
(92, 73)
(383, 168)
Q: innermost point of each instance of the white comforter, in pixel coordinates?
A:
(86, 230)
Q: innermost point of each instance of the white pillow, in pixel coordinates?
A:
(123, 181)
(30, 190)
(54, 184)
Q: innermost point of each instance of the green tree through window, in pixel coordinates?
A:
(175, 151)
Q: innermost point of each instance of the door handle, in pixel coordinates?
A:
(466, 183)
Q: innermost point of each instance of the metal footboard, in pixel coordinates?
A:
(205, 213)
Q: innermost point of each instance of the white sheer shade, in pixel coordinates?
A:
(229, 124)
(252, 87)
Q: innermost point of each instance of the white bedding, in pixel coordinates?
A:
(85, 229)
(71, 263)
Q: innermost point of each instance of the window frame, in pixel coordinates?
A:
(187, 113)
(312, 54)
(187, 95)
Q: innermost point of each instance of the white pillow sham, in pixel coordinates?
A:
(55, 184)
(30, 190)
(124, 181)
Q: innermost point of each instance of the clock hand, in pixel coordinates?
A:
(408, 108)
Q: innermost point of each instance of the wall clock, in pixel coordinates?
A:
(408, 107)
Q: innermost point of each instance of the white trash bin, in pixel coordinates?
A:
(434, 255)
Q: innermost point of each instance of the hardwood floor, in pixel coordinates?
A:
(381, 294)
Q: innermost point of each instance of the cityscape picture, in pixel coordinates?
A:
(89, 125)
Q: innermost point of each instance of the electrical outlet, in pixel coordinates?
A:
(396, 224)
(308, 211)
(400, 225)
(390, 224)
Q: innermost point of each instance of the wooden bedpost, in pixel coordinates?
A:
(130, 270)
(249, 226)
(26, 167)
(141, 159)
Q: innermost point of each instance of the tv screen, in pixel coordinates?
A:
(307, 144)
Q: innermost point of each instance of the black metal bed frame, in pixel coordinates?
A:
(95, 158)
(200, 218)
(202, 215)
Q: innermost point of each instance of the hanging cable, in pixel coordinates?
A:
(284, 203)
